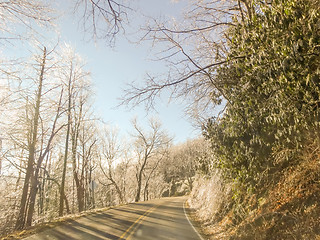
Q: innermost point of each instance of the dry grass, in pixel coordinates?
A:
(211, 199)
(286, 209)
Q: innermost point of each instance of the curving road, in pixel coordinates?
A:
(160, 219)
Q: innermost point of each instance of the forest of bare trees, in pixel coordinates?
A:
(61, 160)
(247, 74)
(57, 156)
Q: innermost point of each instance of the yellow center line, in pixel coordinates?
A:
(136, 224)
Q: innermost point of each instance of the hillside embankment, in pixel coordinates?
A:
(285, 206)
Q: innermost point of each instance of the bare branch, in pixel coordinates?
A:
(192, 48)
(102, 18)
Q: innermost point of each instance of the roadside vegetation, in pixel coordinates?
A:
(249, 74)
(266, 145)
(258, 63)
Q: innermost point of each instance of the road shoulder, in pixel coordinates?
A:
(191, 216)
(41, 227)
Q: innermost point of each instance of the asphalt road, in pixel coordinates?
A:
(160, 219)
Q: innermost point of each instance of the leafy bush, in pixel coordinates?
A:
(272, 82)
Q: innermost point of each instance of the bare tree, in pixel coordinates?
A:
(74, 78)
(102, 18)
(41, 120)
(147, 144)
(42, 155)
(185, 160)
(193, 48)
(25, 14)
(84, 140)
(151, 170)
(111, 150)
(32, 145)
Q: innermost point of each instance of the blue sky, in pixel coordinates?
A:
(112, 68)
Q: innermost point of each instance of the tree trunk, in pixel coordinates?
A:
(118, 190)
(63, 179)
(32, 146)
(190, 183)
(21, 217)
(139, 176)
(139, 179)
(42, 195)
(32, 198)
(67, 204)
(146, 192)
(35, 177)
(78, 180)
(80, 192)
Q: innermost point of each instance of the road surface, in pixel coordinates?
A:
(160, 219)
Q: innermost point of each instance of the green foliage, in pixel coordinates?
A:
(272, 81)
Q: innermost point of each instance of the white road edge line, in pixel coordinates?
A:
(184, 209)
